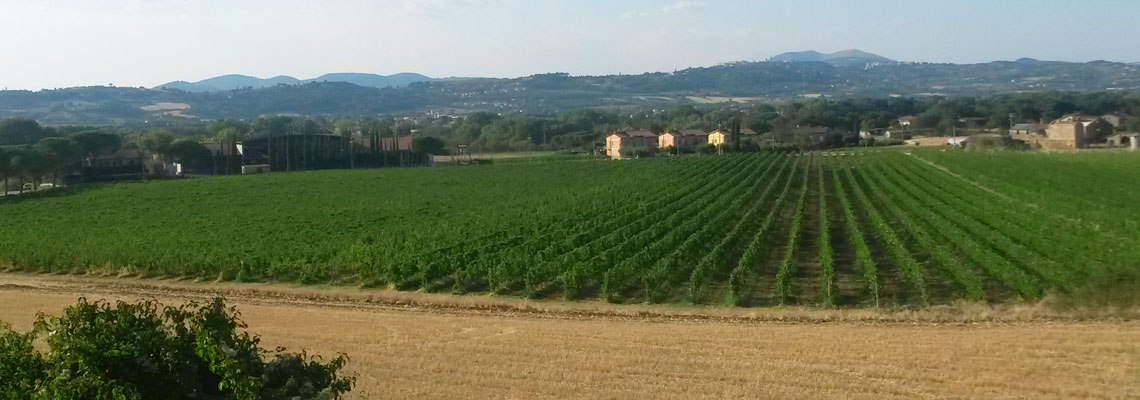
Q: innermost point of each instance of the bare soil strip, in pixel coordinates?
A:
(427, 346)
(961, 313)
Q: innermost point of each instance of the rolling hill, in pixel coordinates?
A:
(839, 58)
(235, 82)
(366, 94)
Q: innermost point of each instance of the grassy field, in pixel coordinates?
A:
(404, 351)
(849, 229)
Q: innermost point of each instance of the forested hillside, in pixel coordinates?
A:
(734, 82)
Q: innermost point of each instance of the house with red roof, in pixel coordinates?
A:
(683, 140)
(629, 140)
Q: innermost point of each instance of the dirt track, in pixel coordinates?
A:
(414, 345)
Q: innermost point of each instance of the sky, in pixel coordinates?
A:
(63, 43)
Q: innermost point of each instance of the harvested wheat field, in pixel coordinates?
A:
(403, 347)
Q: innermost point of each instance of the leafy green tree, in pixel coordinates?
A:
(275, 125)
(189, 152)
(346, 128)
(734, 133)
(65, 154)
(97, 142)
(5, 170)
(429, 145)
(22, 369)
(20, 130)
(147, 351)
(218, 126)
(31, 165)
(155, 141)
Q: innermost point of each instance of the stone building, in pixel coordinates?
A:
(1064, 135)
(1125, 139)
(1028, 133)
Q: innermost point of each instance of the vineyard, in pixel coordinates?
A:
(838, 228)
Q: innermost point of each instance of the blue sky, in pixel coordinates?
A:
(60, 43)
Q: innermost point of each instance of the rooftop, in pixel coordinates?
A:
(635, 134)
(1027, 127)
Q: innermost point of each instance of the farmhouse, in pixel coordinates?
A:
(719, 137)
(1111, 119)
(1064, 134)
(683, 140)
(1067, 133)
(629, 141)
(907, 120)
(1027, 132)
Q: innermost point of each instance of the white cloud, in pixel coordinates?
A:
(682, 5)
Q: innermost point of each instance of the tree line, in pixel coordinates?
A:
(33, 154)
(775, 121)
(30, 152)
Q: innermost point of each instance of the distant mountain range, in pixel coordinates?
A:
(846, 74)
(235, 82)
(839, 58)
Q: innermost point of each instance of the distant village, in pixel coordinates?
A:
(1069, 133)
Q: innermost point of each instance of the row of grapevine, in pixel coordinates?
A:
(1031, 187)
(1094, 189)
(663, 257)
(940, 252)
(577, 245)
(918, 216)
(607, 251)
(437, 267)
(741, 278)
(864, 263)
(1027, 234)
(695, 229)
(1021, 259)
(787, 266)
(508, 266)
(912, 273)
(826, 257)
(712, 263)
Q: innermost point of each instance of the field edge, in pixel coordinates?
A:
(957, 313)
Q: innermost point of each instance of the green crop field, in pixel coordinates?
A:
(834, 228)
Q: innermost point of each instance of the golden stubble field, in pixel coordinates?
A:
(412, 351)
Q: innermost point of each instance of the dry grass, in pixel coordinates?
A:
(487, 351)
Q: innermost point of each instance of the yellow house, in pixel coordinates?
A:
(719, 137)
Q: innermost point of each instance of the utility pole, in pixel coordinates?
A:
(954, 127)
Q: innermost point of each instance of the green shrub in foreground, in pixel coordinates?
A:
(148, 351)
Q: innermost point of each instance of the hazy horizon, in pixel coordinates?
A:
(65, 43)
